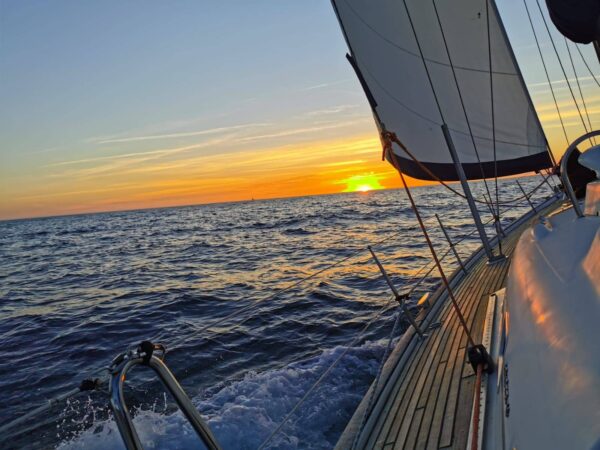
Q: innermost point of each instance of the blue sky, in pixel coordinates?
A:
(104, 103)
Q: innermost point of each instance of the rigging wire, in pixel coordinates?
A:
(537, 43)
(424, 61)
(394, 139)
(375, 383)
(388, 149)
(324, 374)
(99, 372)
(586, 65)
(489, 41)
(285, 289)
(422, 166)
(390, 42)
(355, 253)
(561, 66)
(579, 87)
(462, 103)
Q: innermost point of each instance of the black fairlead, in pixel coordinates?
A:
(478, 354)
(147, 348)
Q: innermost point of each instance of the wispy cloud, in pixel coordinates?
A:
(182, 134)
(333, 110)
(119, 163)
(113, 157)
(561, 81)
(325, 85)
(344, 163)
(46, 150)
(297, 131)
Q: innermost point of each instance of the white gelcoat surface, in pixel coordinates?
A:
(553, 346)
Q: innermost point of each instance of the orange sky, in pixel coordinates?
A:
(140, 181)
(229, 163)
(133, 132)
(294, 162)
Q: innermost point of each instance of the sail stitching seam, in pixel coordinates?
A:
(433, 61)
(462, 103)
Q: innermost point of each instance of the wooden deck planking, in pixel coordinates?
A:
(449, 392)
(413, 375)
(470, 315)
(431, 400)
(437, 337)
(458, 384)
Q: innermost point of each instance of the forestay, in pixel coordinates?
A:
(424, 63)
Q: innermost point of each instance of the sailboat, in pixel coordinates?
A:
(514, 361)
(505, 354)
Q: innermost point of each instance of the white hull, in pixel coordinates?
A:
(549, 393)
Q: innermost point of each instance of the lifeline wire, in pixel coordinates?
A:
(324, 375)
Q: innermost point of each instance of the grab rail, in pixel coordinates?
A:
(144, 355)
(563, 170)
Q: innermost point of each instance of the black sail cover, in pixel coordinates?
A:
(406, 100)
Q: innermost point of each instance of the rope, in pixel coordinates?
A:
(537, 43)
(388, 149)
(476, 401)
(390, 339)
(324, 375)
(386, 353)
(587, 66)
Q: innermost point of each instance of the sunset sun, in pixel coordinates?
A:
(362, 183)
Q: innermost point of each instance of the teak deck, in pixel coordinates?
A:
(425, 402)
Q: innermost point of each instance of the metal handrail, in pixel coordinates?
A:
(563, 170)
(143, 355)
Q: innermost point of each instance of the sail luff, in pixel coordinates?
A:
(361, 79)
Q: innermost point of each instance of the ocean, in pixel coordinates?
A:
(75, 291)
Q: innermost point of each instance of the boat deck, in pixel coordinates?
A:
(426, 400)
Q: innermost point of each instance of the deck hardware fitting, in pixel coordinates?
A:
(145, 354)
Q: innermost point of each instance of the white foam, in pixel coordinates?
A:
(243, 413)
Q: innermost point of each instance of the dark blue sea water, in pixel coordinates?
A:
(77, 290)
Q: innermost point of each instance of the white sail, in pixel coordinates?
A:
(414, 96)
